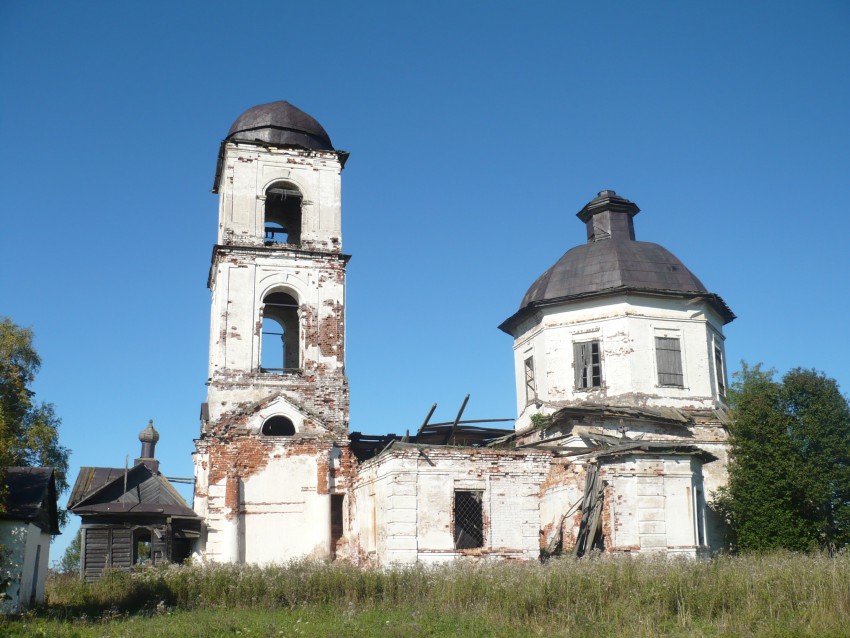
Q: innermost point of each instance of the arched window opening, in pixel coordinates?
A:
(283, 215)
(280, 341)
(278, 426)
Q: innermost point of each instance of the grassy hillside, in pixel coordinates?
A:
(777, 594)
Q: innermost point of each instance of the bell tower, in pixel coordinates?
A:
(276, 416)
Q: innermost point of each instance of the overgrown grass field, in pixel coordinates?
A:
(771, 595)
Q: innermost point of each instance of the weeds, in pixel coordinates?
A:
(788, 594)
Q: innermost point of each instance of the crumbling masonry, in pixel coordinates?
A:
(620, 378)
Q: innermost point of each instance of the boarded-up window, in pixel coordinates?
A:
(668, 355)
(719, 372)
(530, 384)
(588, 365)
(468, 519)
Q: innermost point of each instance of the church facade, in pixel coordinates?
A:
(619, 361)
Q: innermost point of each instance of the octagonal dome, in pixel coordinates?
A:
(612, 261)
(280, 124)
(604, 265)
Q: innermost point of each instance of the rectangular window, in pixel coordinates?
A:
(588, 365)
(468, 519)
(530, 384)
(718, 370)
(668, 355)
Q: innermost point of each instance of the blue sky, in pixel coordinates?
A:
(477, 131)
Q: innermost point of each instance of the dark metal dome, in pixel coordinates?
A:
(602, 265)
(611, 261)
(280, 124)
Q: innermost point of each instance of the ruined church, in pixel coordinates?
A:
(620, 384)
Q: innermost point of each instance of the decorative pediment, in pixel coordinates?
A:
(303, 420)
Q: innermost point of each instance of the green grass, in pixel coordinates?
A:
(775, 595)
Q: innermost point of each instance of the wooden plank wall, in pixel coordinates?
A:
(95, 543)
(105, 547)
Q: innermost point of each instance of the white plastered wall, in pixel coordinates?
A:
(249, 170)
(403, 504)
(652, 504)
(284, 517)
(29, 556)
(238, 303)
(626, 327)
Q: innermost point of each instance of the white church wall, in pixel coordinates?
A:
(250, 170)
(651, 504)
(626, 327)
(283, 515)
(267, 498)
(318, 286)
(405, 503)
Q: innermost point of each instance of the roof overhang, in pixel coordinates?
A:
(652, 448)
(714, 300)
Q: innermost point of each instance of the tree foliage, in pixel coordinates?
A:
(789, 471)
(70, 561)
(29, 430)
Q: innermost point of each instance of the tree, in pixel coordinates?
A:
(789, 470)
(70, 561)
(820, 432)
(29, 431)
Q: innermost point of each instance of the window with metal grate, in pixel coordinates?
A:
(468, 519)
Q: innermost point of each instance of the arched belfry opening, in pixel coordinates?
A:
(280, 348)
(278, 426)
(282, 222)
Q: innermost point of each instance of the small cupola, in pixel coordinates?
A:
(149, 436)
(609, 216)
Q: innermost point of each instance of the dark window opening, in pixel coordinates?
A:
(282, 216)
(468, 519)
(530, 384)
(280, 336)
(700, 518)
(181, 550)
(719, 372)
(278, 426)
(588, 365)
(336, 523)
(142, 547)
(668, 355)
